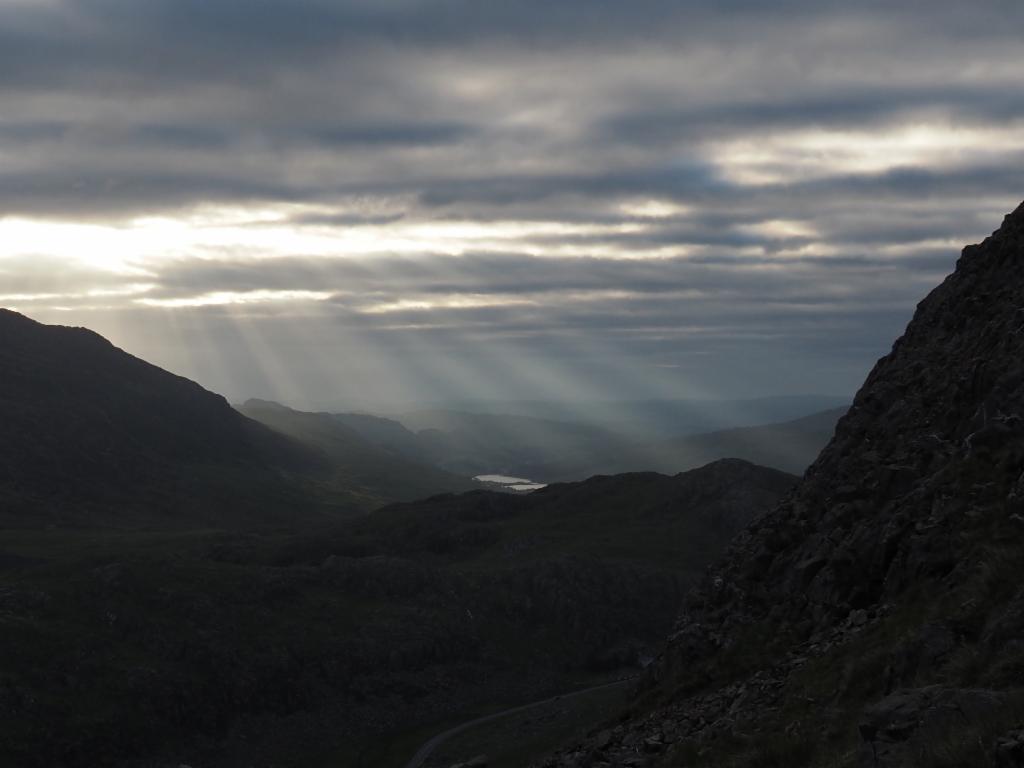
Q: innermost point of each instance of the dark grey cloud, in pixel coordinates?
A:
(717, 187)
(819, 107)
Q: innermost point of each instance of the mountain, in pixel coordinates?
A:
(790, 446)
(483, 443)
(653, 513)
(360, 466)
(92, 436)
(388, 434)
(659, 420)
(875, 616)
(645, 420)
(546, 450)
(340, 646)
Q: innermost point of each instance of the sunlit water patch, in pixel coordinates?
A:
(520, 484)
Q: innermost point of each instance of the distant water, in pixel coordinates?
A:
(511, 483)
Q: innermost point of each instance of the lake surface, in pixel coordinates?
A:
(510, 483)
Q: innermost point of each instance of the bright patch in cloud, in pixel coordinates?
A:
(220, 298)
(653, 209)
(806, 154)
(779, 228)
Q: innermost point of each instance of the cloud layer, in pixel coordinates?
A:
(415, 200)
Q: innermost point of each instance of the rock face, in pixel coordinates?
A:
(893, 568)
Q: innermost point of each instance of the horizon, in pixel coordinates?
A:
(443, 201)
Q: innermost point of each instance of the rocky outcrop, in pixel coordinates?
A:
(894, 566)
(900, 729)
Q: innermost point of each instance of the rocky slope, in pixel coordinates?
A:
(875, 617)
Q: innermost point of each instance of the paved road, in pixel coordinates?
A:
(427, 749)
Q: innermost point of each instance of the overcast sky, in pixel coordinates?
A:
(401, 199)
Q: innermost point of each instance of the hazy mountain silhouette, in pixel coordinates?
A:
(488, 443)
(649, 420)
(790, 446)
(874, 617)
(547, 450)
(359, 465)
(657, 420)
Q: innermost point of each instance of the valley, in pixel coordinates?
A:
(314, 631)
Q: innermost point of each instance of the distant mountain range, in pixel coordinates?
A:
(648, 420)
(546, 450)
(790, 446)
(365, 459)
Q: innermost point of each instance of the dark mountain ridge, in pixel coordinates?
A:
(874, 617)
(93, 436)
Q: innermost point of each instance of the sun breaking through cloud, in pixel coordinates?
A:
(447, 198)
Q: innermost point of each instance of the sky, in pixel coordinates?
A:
(419, 200)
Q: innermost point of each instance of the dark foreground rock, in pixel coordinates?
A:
(876, 616)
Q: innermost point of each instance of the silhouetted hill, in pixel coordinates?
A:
(388, 434)
(874, 618)
(330, 648)
(790, 446)
(645, 511)
(92, 435)
(359, 466)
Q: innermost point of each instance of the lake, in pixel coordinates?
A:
(520, 484)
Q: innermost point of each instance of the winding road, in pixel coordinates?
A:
(428, 748)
